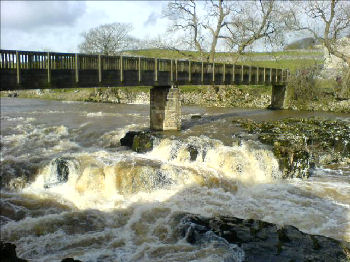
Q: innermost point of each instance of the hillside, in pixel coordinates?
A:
(292, 59)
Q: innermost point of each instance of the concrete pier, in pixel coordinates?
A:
(165, 108)
(278, 97)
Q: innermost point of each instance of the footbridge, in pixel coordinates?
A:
(48, 70)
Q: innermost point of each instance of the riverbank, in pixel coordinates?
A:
(210, 96)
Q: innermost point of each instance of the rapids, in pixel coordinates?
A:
(70, 190)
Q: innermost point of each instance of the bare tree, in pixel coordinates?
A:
(201, 23)
(219, 10)
(107, 39)
(255, 20)
(328, 22)
(184, 17)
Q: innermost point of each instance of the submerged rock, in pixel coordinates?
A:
(8, 253)
(138, 141)
(69, 259)
(262, 241)
(60, 169)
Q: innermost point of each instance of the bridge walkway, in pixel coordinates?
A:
(33, 70)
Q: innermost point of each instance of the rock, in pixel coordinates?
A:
(196, 117)
(298, 142)
(138, 141)
(8, 253)
(262, 241)
(62, 169)
(69, 259)
(128, 139)
(193, 152)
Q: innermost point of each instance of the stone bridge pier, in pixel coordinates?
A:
(165, 108)
(278, 97)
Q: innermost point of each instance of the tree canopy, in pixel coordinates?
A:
(107, 39)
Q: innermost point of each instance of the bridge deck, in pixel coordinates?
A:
(31, 70)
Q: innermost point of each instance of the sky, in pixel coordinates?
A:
(58, 25)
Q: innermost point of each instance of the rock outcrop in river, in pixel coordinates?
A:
(262, 241)
(301, 144)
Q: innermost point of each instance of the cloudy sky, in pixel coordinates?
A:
(57, 25)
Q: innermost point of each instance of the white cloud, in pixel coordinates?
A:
(29, 16)
(57, 26)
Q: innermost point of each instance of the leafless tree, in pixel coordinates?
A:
(254, 21)
(220, 10)
(107, 39)
(200, 22)
(184, 17)
(328, 22)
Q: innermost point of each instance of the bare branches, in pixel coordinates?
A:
(220, 11)
(106, 39)
(255, 21)
(328, 21)
(184, 16)
(202, 22)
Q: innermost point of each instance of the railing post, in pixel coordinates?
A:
(202, 73)
(30, 61)
(189, 71)
(99, 69)
(176, 70)
(155, 69)
(257, 75)
(224, 76)
(276, 70)
(18, 68)
(121, 69)
(242, 74)
(233, 74)
(139, 67)
(250, 75)
(264, 75)
(76, 68)
(270, 75)
(171, 71)
(48, 68)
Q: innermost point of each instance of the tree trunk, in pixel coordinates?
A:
(345, 89)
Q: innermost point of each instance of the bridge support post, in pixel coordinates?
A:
(165, 108)
(278, 97)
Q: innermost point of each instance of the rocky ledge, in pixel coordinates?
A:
(139, 141)
(301, 143)
(252, 240)
(8, 254)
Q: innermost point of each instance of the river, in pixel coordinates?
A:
(113, 204)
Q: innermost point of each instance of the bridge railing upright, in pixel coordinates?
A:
(58, 69)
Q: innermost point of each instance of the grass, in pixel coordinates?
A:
(293, 60)
(164, 53)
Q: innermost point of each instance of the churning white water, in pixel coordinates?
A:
(73, 191)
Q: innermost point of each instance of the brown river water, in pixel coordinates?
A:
(119, 205)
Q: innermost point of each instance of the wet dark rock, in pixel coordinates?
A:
(69, 259)
(12, 95)
(301, 144)
(138, 141)
(62, 169)
(193, 152)
(16, 174)
(8, 253)
(196, 117)
(262, 241)
(128, 139)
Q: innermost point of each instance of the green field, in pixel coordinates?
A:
(293, 60)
